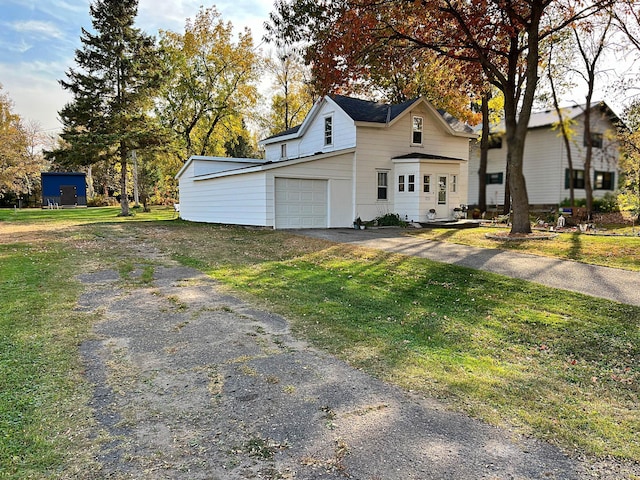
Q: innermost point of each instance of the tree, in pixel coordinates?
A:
(293, 95)
(502, 38)
(210, 84)
(591, 40)
(629, 198)
(20, 161)
(112, 89)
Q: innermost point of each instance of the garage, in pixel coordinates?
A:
(300, 203)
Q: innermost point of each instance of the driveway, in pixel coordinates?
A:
(191, 383)
(610, 283)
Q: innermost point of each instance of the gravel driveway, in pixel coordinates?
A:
(191, 383)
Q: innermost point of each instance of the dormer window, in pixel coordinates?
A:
(328, 130)
(283, 150)
(417, 130)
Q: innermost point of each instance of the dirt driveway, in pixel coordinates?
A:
(191, 383)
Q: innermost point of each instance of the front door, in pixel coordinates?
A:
(442, 209)
(68, 195)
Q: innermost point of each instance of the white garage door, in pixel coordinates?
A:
(301, 203)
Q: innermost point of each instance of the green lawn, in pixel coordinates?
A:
(557, 365)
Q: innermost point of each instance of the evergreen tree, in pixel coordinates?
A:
(112, 91)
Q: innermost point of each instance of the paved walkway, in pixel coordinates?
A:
(619, 285)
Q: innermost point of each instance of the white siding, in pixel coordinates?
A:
(545, 162)
(312, 142)
(235, 199)
(376, 148)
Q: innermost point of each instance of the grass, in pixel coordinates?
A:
(554, 364)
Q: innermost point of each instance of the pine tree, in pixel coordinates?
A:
(116, 76)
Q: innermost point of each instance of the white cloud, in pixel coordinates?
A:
(42, 29)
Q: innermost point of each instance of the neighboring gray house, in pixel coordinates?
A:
(349, 158)
(545, 158)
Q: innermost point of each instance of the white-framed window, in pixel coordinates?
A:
(417, 126)
(426, 184)
(453, 184)
(383, 184)
(411, 183)
(328, 130)
(401, 183)
(283, 150)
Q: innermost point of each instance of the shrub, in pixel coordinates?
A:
(390, 220)
(606, 204)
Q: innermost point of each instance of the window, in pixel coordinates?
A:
(596, 140)
(578, 178)
(494, 178)
(401, 183)
(417, 130)
(328, 130)
(283, 150)
(411, 183)
(603, 180)
(454, 184)
(426, 184)
(495, 141)
(442, 190)
(383, 185)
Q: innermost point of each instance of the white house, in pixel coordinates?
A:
(545, 167)
(349, 158)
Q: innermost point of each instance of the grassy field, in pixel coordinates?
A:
(503, 350)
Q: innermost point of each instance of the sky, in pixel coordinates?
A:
(38, 39)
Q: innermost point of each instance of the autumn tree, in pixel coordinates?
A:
(20, 159)
(112, 88)
(292, 94)
(210, 84)
(629, 197)
(502, 38)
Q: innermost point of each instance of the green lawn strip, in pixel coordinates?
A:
(611, 251)
(84, 215)
(42, 418)
(555, 364)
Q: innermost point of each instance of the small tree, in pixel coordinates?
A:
(112, 91)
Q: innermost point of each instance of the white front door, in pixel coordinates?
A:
(442, 207)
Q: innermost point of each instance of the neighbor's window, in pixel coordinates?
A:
(426, 184)
(603, 180)
(328, 130)
(283, 150)
(411, 183)
(495, 141)
(453, 186)
(596, 140)
(417, 130)
(401, 183)
(494, 178)
(383, 185)
(578, 178)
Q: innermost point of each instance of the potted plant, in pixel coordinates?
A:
(357, 223)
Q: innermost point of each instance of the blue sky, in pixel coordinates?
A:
(38, 39)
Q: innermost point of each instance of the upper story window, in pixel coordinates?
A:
(418, 125)
(283, 150)
(328, 130)
(596, 140)
(383, 185)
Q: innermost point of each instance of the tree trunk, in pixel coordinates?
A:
(484, 153)
(124, 199)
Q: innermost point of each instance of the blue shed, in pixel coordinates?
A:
(64, 189)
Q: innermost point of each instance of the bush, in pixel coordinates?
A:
(102, 201)
(390, 220)
(606, 204)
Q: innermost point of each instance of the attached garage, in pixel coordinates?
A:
(311, 192)
(300, 203)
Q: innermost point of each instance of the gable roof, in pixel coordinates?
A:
(367, 111)
(546, 118)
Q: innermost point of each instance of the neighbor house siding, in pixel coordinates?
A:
(545, 163)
